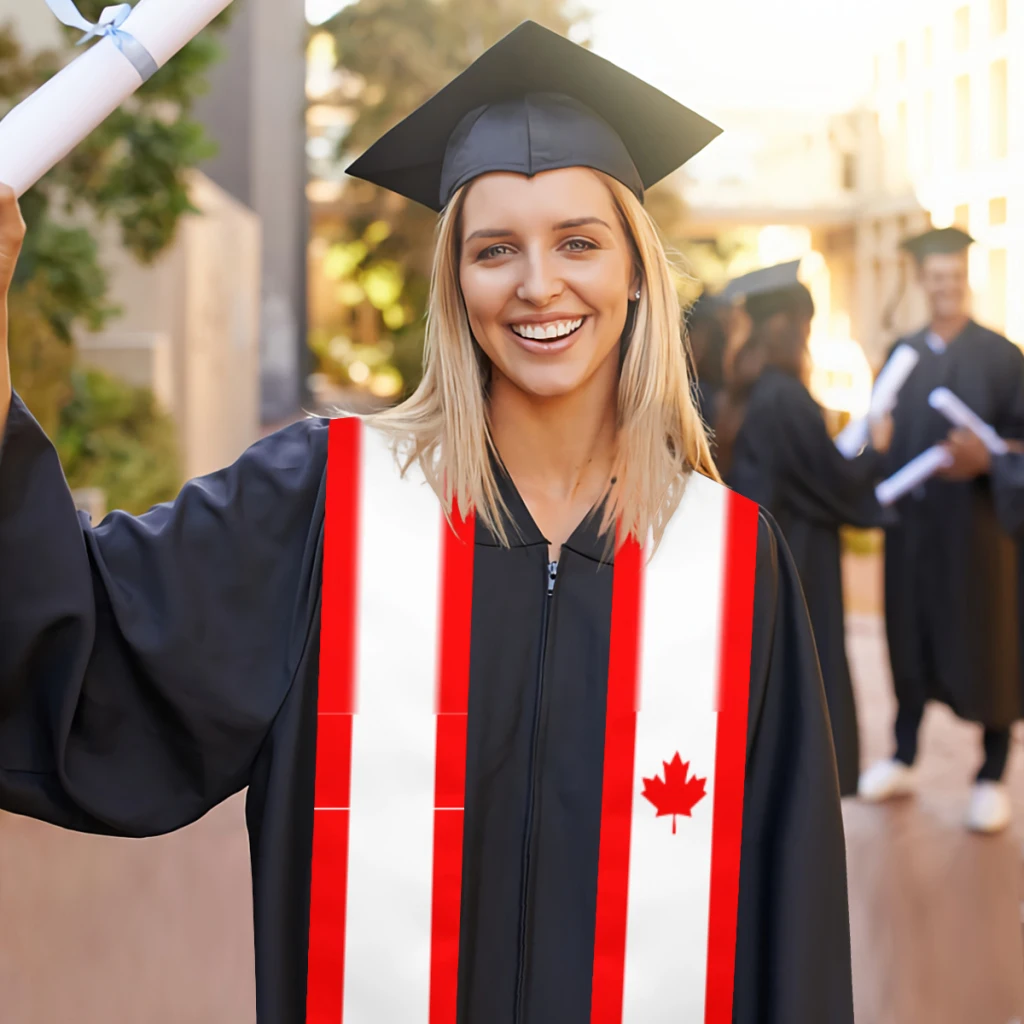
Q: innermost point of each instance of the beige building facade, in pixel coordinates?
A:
(940, 140)
(189, 327)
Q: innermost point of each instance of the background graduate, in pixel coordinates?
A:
(530, 718)
(707, 343)
(950, 568)
(784, 459)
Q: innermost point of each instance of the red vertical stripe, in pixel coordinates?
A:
(617, 788)
(335, 706)
(450, 773)
(730, 757)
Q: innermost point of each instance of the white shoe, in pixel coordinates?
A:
(989, 810)
(885, 780)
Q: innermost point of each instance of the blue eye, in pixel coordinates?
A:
(579, 245)
(493, 251)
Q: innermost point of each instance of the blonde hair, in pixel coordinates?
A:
(444, 425)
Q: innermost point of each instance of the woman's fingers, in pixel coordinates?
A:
(12, 233)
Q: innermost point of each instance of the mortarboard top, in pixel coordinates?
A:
(771, 290)
(937, 241)
(781, 277)
(704, 307)
(535, 102)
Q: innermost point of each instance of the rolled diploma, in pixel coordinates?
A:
(47, 125)
(913, 474)
(854, 436)
(961, 415)
(891, 380)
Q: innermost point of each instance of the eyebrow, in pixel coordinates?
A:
(576, 222)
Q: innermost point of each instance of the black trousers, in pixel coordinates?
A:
(996, 743)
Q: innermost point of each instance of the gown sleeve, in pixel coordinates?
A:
(142, 661)
(820, 484)
(1007, 476)
(793, 950)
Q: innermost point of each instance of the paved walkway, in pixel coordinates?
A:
(935, 911)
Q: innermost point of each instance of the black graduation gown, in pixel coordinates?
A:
(150, 667)
(1008, 492)
(707, 398)
(950, 569)
(785, 460)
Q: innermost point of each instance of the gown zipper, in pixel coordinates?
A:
(552, 575)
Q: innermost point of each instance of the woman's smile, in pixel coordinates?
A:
(547, 336)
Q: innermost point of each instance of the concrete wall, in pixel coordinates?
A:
(189, 329)
(256, 111)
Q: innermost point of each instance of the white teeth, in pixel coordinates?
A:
(545, 332)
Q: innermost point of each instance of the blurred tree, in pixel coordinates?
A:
(114, 436)
(713, 261)
(130, 170)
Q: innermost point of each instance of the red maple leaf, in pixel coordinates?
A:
(675, 794)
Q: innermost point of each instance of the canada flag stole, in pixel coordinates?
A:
(391, 754)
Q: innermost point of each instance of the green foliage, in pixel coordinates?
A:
(714, 260)
(41, 361)
(132, 171)
(70, 285)
(113, 436)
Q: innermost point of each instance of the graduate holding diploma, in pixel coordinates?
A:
(526, 702)
(950, 568)
(785, 460)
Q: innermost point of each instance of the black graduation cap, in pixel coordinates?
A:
(937, 241)
(704, 307)
(763, 281)
(770, 290)
(535, 102)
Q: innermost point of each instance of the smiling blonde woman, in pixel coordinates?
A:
(530, 715)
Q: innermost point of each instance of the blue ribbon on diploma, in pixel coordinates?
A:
(109, 25)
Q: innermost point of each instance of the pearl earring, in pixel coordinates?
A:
(637, 296)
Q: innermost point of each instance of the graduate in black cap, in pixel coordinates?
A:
(753, 298)
(950, 569)
(707, 339)
(784, 459)
(526, 702)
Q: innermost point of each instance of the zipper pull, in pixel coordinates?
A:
(552, 575)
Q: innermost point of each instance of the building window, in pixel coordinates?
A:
(962, 131)
(927, 130)
(997, 210)
(929, 44)
(997, 287)
(902, 129)
(849, 171)
(962, 29)
(997, 110)
(997, 17)
(962, 216)
(901, 60)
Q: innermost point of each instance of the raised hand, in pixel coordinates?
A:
(881, 433)
(970, 456)
(12, 233)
